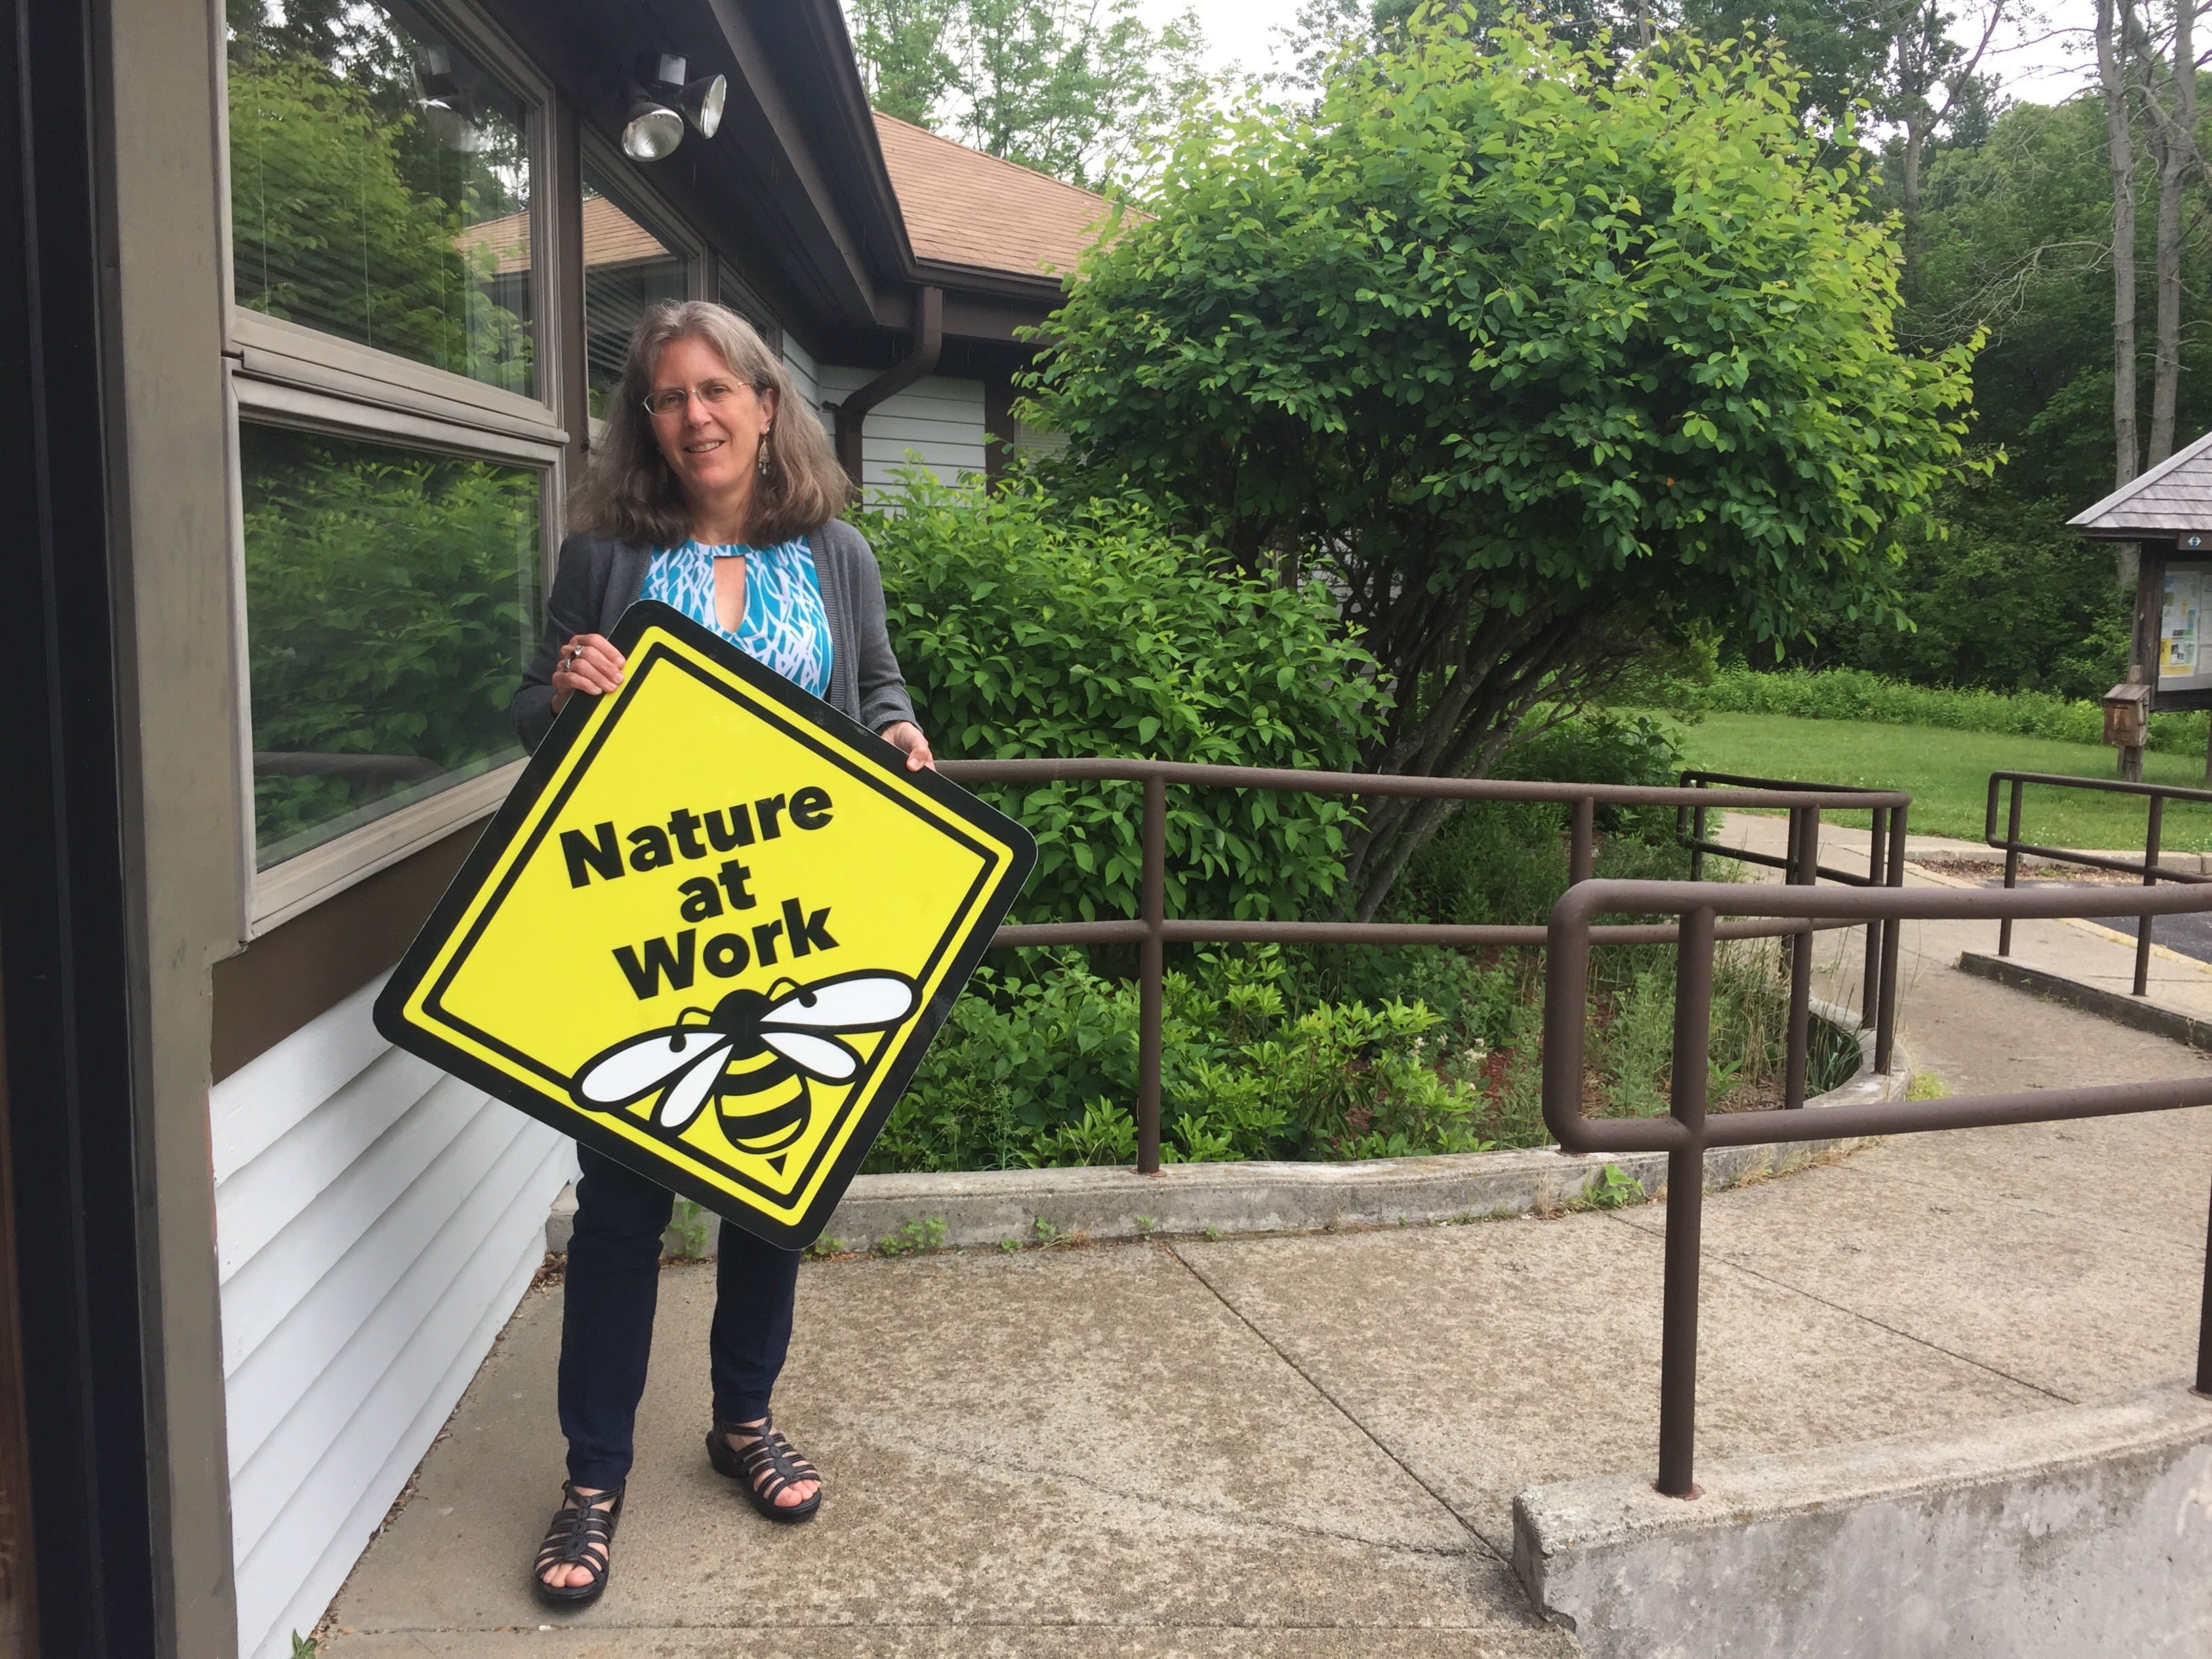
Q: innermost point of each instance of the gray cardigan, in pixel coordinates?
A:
(598, 578)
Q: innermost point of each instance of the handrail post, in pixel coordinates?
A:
(1885, 1030)
(1805, 871)
(1877, 859)
(1698, 845)
(2150, 880)
(2012, 868)
(1685, 1193)
(1582, 849)
(1152, 970)
(2204, 1317)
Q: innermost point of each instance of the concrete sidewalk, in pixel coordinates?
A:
(2100, 957)
(1308, 1446)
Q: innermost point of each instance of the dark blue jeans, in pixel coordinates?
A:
(607, 1327)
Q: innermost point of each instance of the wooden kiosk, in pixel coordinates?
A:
(2167, 514)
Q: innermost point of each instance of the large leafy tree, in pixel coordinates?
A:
(1076, 88)
(1533, 357)
(2019, 249)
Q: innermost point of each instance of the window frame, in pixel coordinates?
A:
(277, 348)
(305, 880)
(281, 373)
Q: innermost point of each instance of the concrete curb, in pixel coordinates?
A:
(2079, 1530)
(2090, 999)
(990, 1208)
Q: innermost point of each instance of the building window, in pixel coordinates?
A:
(627, 270)
(380, 186)
(392, 604)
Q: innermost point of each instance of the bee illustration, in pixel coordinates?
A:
(750, 1044)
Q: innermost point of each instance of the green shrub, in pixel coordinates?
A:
(1028, 627)
(1851, 693)
(1038, 1065)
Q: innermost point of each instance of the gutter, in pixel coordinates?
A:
(928, 344)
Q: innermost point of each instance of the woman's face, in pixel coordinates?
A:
(710, 431)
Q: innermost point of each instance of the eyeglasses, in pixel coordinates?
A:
(674, 400)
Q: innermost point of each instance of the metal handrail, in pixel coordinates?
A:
(2149, 869)
(1153, 931)
(1885, 832)
(1690, 825)
(1686, 1133)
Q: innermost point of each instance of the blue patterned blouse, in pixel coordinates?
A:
(785, 626)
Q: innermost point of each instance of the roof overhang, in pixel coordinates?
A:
(2173, 500)
(794, 185)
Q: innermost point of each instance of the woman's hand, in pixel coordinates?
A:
(907, 736)
(587, 663)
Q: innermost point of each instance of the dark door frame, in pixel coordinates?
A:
(72, 1076)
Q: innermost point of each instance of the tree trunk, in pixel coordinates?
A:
(2112, 81)
(1916, 140)
(1914, 83)
(2174, 128)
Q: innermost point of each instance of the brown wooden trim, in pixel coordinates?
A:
(314, 962)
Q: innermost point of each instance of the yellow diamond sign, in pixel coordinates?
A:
(711, 930)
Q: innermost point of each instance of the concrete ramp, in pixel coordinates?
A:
(2086, 1530)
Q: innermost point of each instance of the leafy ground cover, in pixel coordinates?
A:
(1269, 1054)
(1948, 774)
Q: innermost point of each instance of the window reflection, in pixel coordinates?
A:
(747, 305)
(391, 603)
(380, 186)
(627, 269)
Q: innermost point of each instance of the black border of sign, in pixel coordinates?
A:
(524, 799)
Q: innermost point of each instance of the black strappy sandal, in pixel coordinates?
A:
(582, 1535)
(764, 1468)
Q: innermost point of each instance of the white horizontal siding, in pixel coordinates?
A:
(938, 421)
(1036, 442)
(376, 1223)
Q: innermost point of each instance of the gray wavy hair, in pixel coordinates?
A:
(629, 492)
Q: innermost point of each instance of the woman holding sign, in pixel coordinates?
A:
(714, 490)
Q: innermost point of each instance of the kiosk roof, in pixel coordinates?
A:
(2174, 498)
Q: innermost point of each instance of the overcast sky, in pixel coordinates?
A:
(2039, 60)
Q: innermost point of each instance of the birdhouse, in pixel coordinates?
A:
(2127, 714)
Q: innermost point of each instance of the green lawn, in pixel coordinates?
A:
(1948, 774)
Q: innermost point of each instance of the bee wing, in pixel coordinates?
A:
(850, 1002)
(817, 1056)
(689, 1092)
(628, 1070)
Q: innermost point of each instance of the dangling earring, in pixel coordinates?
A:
(764, 458)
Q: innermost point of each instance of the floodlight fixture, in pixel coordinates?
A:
(446, 109)
(661, 102)
(703, 101)
(651, 131)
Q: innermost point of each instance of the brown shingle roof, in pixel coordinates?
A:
(965, 207)
(612, 237)
(2172, 499)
